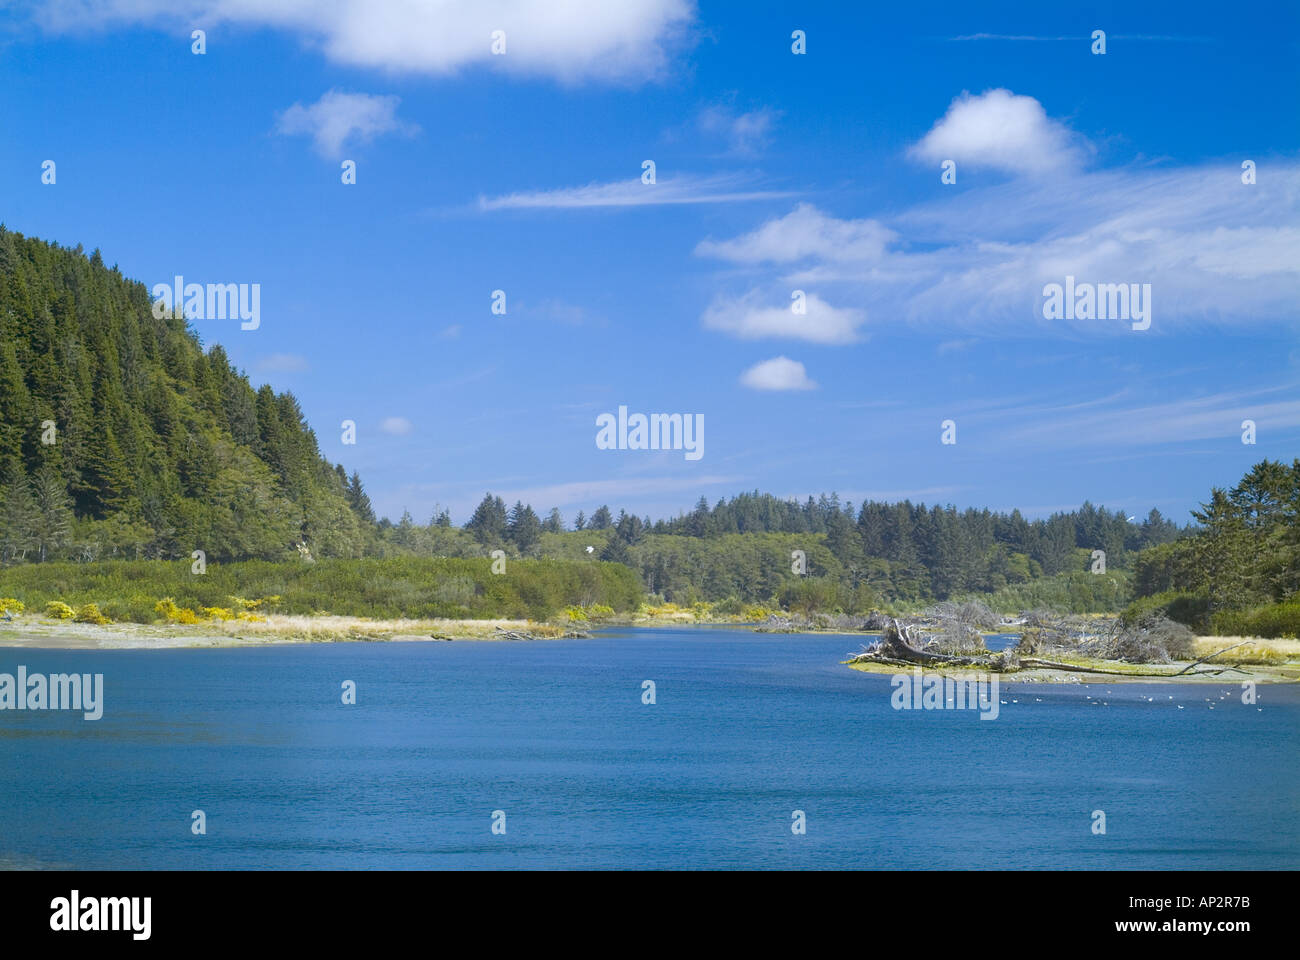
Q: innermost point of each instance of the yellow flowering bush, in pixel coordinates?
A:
(89, 613)
(59, 610)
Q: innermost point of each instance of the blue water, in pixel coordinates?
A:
(746, 729)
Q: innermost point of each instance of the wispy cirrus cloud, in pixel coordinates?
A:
(575, 493)
(1215, 416)
(683, 189)
(1077, 37)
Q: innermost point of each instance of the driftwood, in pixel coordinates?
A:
(1213, 655)
(1056, 665)
(513, 635)
(898, 644)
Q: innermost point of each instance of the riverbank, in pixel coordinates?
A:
(276, 629)
(1262, 661)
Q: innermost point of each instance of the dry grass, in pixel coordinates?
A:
(326, 628)
(1256, 651)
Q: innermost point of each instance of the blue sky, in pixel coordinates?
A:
(775, 172)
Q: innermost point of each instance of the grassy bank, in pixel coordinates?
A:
(380, 588)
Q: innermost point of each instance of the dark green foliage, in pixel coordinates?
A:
(129, 439)
(523, 528)
(488, 524)
(1243, 559)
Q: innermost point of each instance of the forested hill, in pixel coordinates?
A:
(120, 436)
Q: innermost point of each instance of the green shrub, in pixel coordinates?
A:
(378, 587)
(1271, 621)
(1185, 608)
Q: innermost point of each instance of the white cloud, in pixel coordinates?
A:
(339, 118)
(1214, 251)
(396, 426)
(804, 232)
(632, 193)
(1002, 131)
(746, 133)
(779, 373)
(282, 363)
(573, 40)
(748, 318)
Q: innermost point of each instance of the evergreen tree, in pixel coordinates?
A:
(358, 500)
(523, 528)
(554, 522)
(53, 512)
(19, 518)
(488, 524)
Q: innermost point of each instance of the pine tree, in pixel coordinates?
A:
(358, 501)
(523, 527)
(1222, 551)
(53, 512)
(488, 524)
(19, 518)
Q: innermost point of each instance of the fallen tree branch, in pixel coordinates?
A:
(1213, 655)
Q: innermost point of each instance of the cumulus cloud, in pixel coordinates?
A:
(779, 373)
(751, 317)
(337, 119)
(804, 232)
(1002, 131)
(569, 41)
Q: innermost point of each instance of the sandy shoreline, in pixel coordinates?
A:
(44, 634)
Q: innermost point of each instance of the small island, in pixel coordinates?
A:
(1053, 648)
